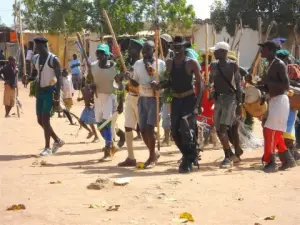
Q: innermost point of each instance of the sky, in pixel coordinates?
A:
(201, 7)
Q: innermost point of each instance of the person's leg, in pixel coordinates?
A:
(236, 140)
(138, 133)
(166, 124)
(286, 158)
(94, 132)
(269, 156)
(7, 110)
(68, 115)
(150, 137)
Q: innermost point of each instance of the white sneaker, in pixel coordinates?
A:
(57, 145)
(46, 152)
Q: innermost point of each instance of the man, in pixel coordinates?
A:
(276, 83)
(143, 75)
(166, 41)
(226, 81)
(131, 103)
(75, 70)
(2, 59)
(10, 73)
(49, 73)
(185, 105)
(103, 73)
(294, 75)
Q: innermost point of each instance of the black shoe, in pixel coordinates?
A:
(287, 160)
(226, 163)
(121, 135)
(185, 166)
(271, 167)
(295, 154)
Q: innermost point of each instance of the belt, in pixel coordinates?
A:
(183, 94)
(133, 94)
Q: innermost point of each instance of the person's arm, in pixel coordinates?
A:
(199, 84)
(237, 78)
(57, 70)
(1, 74)
(134, 80)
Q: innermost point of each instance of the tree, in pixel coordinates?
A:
(227, 13)
(1, 23)
(127, 16)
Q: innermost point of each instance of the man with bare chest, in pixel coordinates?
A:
(276, 83)
(185, 105)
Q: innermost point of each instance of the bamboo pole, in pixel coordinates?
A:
(206, 79)
(214, 41)
(21, 49)
(161, 48)
(115, 40)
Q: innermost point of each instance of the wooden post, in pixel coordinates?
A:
(214, 41)
(206, 79)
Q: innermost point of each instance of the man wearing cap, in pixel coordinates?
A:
(10, 82)
(225, 78)
(131, 103)
(185, 104)
(276, 83)
(143, 76)
(48, 74)
(103, 73)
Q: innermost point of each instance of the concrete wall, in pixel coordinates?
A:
(248, 43)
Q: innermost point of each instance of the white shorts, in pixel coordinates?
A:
(278, 113)
(131, 111)
(103, 107)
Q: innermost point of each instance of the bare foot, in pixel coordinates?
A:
(90, 135)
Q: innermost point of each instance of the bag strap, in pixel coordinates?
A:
(225, 78)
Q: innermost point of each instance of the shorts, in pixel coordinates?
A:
(103, 107)
(147, 111)
(44, 102)
(68, 103)
(131, 111)
(88, 115)
(9, 95)
(225, 107)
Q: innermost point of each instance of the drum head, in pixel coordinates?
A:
(252, 94)
(256, 109)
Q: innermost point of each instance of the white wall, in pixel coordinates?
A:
(248, 43)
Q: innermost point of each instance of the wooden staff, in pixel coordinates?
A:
(86, 58)
(259, 39)
(296, 42)
(156, 36)
(115, 40)
(257, 57)
(206, 78)
(161, 48)
(21, 49)
(214, 41)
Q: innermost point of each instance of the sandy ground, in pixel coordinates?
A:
(243, 196)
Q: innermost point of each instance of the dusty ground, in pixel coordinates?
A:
(244, 196)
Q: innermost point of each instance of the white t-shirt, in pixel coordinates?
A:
(29, 55)
(141, 75)
(68, 88)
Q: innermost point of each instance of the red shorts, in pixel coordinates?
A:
(272, 139)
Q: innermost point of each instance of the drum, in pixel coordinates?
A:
(255, 109)
(295, 98)
(252, 94)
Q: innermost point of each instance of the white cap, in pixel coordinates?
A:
(166, 37)
(221, 45)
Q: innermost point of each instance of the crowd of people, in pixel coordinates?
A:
(186, 96)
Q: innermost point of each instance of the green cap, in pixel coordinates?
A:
(104, 48)
(283, 52)
(138, 41)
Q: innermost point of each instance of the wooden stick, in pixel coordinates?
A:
(156, 32)
(21, 48)
(85, 57)
(214, 41)
(115, 40)
(206, 53)
(161, 48)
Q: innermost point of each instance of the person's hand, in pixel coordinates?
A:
(155, 85)
(120, 108)
(56, 105)
(127, 75)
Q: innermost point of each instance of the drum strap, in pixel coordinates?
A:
(227, 81)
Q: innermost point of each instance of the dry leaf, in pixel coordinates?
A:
(95, 186)
(140, 165)
(16, 207)
(113, 208)
(257, 224)
(270, 218)
(43, 163)
(240, 199)
(95, 206)
(55, 182)
(187, 216)
(171, 199)
(177, 220)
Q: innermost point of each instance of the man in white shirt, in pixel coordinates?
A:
(144, 74)
(68, 89)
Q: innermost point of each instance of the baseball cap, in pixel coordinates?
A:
(40, 40)
(138, 41)
(221, 45)
(270, 45)
(167, 38)
(283, 52)
(104, 48)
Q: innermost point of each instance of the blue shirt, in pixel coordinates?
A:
(75, 70)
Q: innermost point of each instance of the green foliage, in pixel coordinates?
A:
(167, 95)
(227, 14)
(127, 16)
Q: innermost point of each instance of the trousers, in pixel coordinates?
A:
(181, 107)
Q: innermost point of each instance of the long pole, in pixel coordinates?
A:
(17, 15)
(115, 40)
(206, 53)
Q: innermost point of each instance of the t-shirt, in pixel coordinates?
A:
(67, 87)
(141, 76)
(75, 70)
(29, 55)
